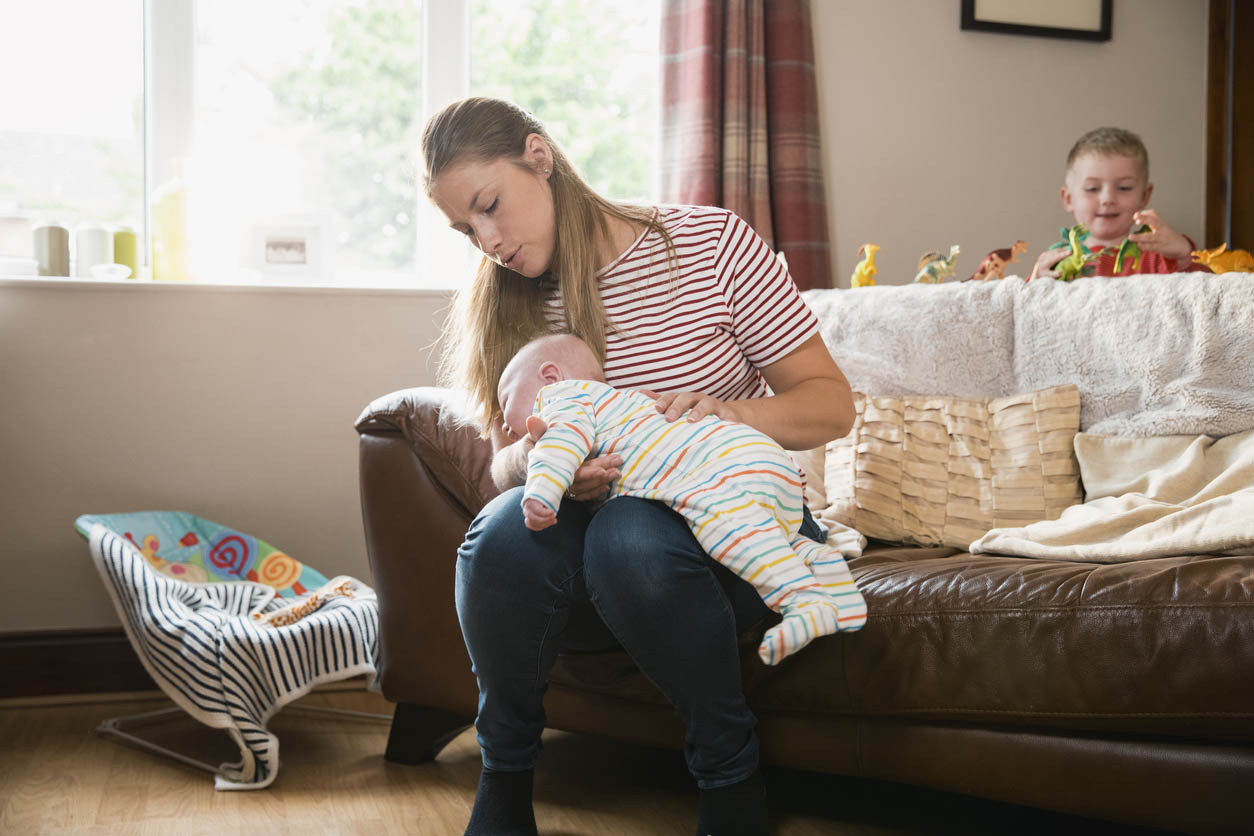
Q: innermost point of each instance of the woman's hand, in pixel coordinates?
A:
(592, 478)
(696, 404)
(1047, 262)
(812, 403)
(509, 461)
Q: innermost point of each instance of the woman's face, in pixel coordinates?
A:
(506, 209)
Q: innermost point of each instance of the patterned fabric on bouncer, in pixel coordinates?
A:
(229, 627)
(185, 547)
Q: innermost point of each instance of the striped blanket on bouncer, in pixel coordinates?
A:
(229, 627)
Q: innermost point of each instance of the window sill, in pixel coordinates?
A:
(256, 286)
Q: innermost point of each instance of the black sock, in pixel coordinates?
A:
(503, 805)
(734, 810)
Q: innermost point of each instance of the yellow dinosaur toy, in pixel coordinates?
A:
(1223, 260)
(864, 273)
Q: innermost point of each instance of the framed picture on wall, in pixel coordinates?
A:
(1083, 20)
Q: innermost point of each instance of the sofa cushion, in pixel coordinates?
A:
(1158, 647)
(934, 470)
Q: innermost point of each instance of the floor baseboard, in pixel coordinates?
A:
(54, 662)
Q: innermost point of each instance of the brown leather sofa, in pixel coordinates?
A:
(1122, 692)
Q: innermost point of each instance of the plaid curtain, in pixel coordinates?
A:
(740, 126)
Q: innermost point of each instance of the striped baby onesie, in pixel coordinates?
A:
(738, 490)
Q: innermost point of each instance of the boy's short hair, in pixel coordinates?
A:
(1111, 142)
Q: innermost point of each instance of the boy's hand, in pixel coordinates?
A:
(1047, 261)
(1161, 238)
(537, 515)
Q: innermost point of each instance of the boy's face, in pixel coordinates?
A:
(1103, 192)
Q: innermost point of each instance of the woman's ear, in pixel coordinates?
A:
(550, 372)
(538, 154)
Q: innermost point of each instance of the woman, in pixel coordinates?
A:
(687, 302)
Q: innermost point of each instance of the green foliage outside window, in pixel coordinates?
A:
(588, 70)
(365, 95)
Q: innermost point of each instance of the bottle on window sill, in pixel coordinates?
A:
(52, 249)
(169, 229)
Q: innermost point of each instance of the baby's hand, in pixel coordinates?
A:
(1047, 261)
(536, 427)
(538, 515)
(1161, 238)
(591, 479)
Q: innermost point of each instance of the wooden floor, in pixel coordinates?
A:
(58, 777)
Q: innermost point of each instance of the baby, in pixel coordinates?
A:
(738, 490)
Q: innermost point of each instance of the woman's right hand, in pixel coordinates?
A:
(593, 477)
(1047, 261)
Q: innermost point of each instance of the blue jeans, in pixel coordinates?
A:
(631, 576)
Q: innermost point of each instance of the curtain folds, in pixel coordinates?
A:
(740, 125)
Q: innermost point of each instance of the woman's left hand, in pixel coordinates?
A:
(696, 404)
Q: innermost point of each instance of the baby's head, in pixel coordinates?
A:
(540, 362)
(1107, 182)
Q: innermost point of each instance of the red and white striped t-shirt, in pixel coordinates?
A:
(732, 309)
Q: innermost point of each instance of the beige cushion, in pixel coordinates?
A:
(938, 470)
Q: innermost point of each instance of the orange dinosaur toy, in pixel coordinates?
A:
(1223, 260)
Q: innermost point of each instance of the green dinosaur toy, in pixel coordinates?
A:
(1129, 249)
(1073, 266)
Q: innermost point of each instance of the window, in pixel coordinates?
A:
(286, 132)
(71, 132)
(313, 110)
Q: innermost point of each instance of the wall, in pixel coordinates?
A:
(934, 136)
(234, 403)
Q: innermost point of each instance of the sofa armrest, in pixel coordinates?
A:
(423, 478)
(433, 422)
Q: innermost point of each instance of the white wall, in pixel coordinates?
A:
(934, 136)
(234, 403)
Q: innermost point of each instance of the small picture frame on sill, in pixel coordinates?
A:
(295, 250)
(1082, 20)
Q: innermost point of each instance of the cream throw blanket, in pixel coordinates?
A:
(1147, 497)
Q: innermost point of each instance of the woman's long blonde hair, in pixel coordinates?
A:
(501, 310)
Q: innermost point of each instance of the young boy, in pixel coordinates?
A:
(738, 490)
(1107, 188)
